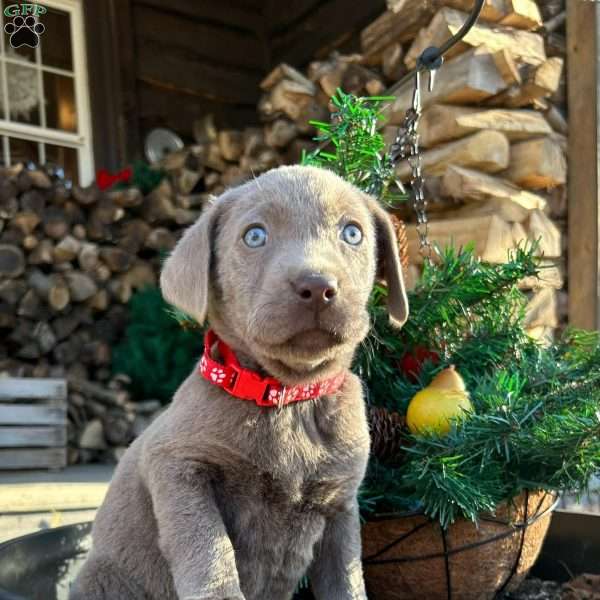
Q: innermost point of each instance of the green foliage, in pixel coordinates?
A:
(536, 419)
(465, 310)
(186, 321)
(156, 352)
(355, 149)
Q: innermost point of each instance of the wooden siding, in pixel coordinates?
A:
(169, 62)
(194, 58)
(304, 29)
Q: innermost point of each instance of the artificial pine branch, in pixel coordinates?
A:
(145, 177)
(462, 308)
(354, 148)
(536, 420)
(185, 321)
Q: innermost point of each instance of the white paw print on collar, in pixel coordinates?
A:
(217, 375)
(307, 390)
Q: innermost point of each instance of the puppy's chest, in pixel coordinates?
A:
(295, 469)
(261, 489)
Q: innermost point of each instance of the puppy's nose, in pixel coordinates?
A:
(315, 289)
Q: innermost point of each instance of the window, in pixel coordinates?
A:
(44, 101)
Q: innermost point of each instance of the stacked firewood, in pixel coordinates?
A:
(222, 158)
(493, 130)
(70, 260)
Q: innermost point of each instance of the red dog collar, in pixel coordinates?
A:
(248, 385)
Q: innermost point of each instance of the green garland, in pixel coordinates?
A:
(536, 419)
(144, 177)
(465, 310)
(156, 351)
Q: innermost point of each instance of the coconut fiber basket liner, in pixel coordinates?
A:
(409, 556)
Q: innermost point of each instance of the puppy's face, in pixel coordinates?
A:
(294, 264)
(289, 262)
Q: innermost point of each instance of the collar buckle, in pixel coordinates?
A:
(266, 400)
(249, 386)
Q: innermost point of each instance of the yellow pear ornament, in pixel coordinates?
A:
(435, 407)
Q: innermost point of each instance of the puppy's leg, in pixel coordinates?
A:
(100, 580)
(336, 572)
(192, 535)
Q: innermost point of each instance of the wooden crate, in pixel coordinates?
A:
(33, 423)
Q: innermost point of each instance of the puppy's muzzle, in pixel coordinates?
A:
(315, 290)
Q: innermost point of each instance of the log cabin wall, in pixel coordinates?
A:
(193, 58)
(170, 62)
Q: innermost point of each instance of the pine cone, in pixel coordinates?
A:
(402, 238)
(387, 434)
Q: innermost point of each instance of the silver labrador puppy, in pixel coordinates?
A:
(224, 499)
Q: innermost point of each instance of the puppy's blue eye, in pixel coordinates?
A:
(255, 237)
(352, 235)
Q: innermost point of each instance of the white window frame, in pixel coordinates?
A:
(80, 141)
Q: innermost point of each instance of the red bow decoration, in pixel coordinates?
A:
(105, 179)
(246, 384)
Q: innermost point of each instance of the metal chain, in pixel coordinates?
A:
(406, 143)
(406, 147)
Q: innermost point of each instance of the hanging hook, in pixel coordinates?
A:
(467, 25)
(432, 58)
(406, 143)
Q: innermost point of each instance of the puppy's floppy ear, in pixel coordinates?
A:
(389, 265)
(184, 279)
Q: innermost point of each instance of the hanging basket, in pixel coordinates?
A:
(411, 557)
